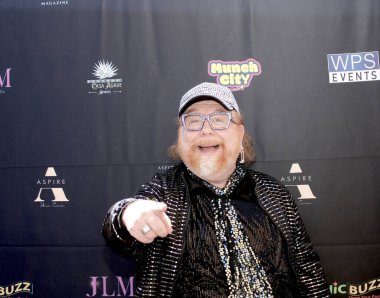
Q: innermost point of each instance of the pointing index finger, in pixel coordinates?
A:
(161, 213)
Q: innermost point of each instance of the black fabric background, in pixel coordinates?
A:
(105, 146)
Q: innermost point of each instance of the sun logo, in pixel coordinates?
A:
(104, 69)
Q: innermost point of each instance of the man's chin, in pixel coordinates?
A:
(206, 168)
(206, 172)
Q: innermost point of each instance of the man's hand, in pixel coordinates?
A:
(145, 220)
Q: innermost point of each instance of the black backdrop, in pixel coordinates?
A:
(89, 92)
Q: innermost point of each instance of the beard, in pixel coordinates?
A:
(210, 167)
(205, 166)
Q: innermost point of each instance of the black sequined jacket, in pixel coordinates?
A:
(160, 260)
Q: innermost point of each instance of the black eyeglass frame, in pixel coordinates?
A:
(207, 117)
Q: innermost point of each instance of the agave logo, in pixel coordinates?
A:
(104, 71)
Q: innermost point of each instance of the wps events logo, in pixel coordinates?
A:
(5, 80)
(104, 71)
(357, 290)
(16, 288)
(236, 75)
(353, 67)
(299, 182)
(51, 193)
(101, 286)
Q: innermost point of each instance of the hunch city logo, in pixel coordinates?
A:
(5, 80)
(51, 189)
(236, 75)
(297, 180)
(105, 84)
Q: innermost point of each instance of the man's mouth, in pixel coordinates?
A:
(209, 148)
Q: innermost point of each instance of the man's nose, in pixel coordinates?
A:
(207, 127)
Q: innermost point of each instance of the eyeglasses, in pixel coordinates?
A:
(217, 121)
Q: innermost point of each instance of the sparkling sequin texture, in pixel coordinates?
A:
(245, 275)
(159, 263)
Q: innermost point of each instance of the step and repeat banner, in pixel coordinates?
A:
(89, 92)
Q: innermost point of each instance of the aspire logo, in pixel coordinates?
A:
(296, 179)
(100, 286)
(16, 288)
(353, 67)
(51, 188)
(5, 80)
(236, 75)
(164, 167)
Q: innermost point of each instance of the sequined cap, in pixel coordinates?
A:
(219, 93)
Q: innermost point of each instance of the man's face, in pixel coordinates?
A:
(211, 154)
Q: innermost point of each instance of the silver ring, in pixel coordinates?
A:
(145, 229)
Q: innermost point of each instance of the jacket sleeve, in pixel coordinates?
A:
(306, 262)
(115, 234)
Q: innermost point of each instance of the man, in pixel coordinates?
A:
(209, 226)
